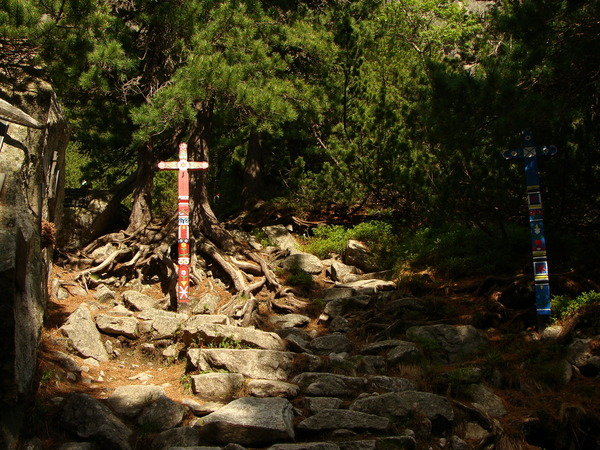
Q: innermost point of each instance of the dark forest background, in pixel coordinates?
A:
(345, 111)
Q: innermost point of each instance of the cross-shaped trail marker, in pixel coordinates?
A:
(183, 231)
(529, 154)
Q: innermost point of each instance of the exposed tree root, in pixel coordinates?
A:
(150, 251)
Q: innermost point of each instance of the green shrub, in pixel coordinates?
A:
(298, 277)
(457, 250)
(164, 201)
(565, 307)
(378, 235)
(453, 250)
(327, 239)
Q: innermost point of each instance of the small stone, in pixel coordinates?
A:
(141, 377)
(91, 362)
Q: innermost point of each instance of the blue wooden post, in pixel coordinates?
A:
(529, 154)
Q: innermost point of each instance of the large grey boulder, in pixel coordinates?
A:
(280, 236)
(376, 347)
(404, 352)
(81, 331)
(90, 419)
(176, 437)
(130, 400)
(357, 254)
(217, 334)
(250, 421)
(267, 364)
(369, 286)
(301, 261)
(334, 419)
(201, 319)
(161, 415)
(484, 399)
(454, 342)
(580, 353)
(342, 273)
(317, 404)
(103, 294)
(337, 292)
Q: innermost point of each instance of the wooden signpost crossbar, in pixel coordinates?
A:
(529, 154)
(183, 230)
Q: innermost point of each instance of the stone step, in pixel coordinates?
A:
(259, 389)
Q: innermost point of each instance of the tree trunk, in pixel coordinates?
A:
(141, 209)
(202, 217)
(203, 220)
(252, 181)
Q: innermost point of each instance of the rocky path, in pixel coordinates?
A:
(350, 371)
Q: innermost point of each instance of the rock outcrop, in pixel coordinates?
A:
(31, 193)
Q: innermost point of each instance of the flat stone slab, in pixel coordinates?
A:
(217, 386)
(138, 301)
(484, 399)
(250, 421)
(330, 385)
(369, 287)
(164, 323)
(217, 334)
(290, 320)
(331, 343)
(402, 404)
(252, 363)
(306, 446)
(334, 419)
(271, 388)
(455, 341)
(120, 326)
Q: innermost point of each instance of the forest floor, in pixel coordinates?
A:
(528, 395)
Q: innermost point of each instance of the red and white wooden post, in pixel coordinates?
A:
(183, 232)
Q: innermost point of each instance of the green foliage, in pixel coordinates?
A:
(262, 237)
(428, 345)
(452, 250)
(327, 240)
(48, 376)
(455, 381)
(564, 307)
(18, 18)
(459, 251)
(186, 381)
(382, 240)
(403, 106)
(165, 193)
(300, 278)
(379, 236)
(74, 166)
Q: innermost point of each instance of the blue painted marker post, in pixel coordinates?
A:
(529, 154)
